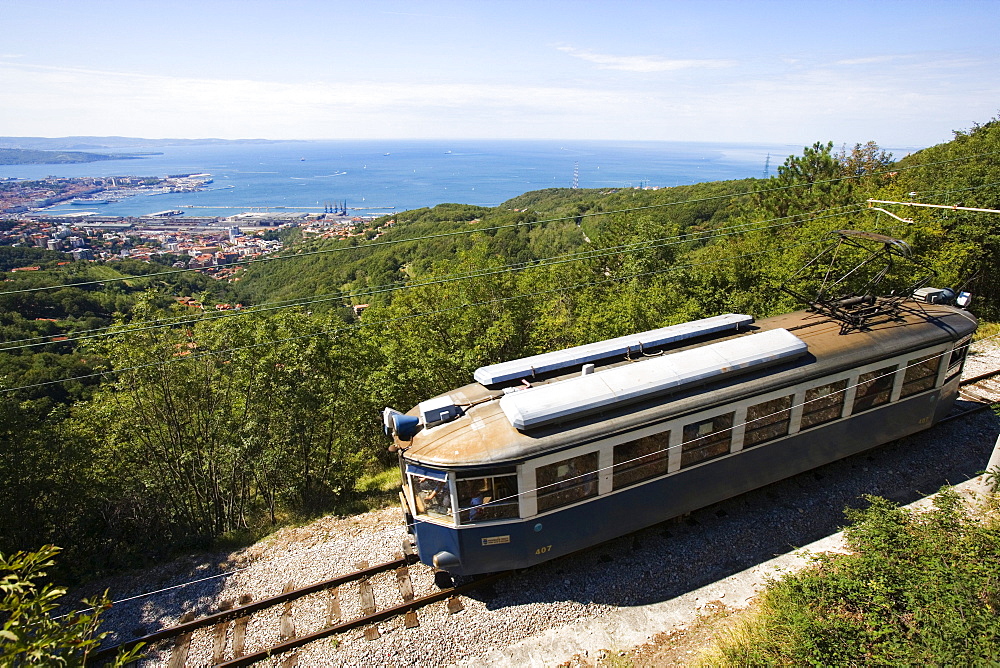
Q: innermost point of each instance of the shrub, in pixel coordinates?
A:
(918, 588)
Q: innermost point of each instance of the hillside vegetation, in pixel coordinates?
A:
(915, 589)
(19, 156)
(184, 427)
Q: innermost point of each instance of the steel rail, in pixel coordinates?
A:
(983, 376)
(249, 609)
(382, 615)
(980, 406)
(982, 403)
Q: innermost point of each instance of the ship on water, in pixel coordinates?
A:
(88, 202)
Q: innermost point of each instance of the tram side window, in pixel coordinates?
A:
(823, 404)
(562, 483)
(432, 496)
(707, 439)
(958, 357)
(921, 375)
(767, 421)
(874, 388)
(486, 499)
(641, 459)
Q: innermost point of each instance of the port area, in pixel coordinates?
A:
(23, 196)
(168, 236)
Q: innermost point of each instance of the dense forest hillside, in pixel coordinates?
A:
(183, 427)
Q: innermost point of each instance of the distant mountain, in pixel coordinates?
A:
(18, 156)
(91, 143)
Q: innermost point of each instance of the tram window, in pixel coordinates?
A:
(874, 388)
(823, 404)
(486, 499)
(921, 374)
(641, 459)
(707, 439)
(562, 483)
(958, 357)
(767, 421)
(432, 496)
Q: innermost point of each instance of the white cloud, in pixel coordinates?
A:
(920, 102)
(417, 14)
(641, 63)
(868, 61)
(103, 102)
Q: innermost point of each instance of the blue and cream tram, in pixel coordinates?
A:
(550, 454)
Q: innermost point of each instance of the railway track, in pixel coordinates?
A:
(975, 394)
(229, 625)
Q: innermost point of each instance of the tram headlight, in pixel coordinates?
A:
(446, 561)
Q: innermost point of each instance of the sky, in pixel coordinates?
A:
(901, 73)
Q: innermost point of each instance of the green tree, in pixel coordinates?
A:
(810, 182)
(963, 246)
(469, 322)
(867, 163)
(30, 635)
(218, 427)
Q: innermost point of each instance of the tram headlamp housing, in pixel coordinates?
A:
(396, 423)
(446, 561)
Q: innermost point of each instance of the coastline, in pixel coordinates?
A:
(391, 175)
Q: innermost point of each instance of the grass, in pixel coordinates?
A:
(371, 492)
(986, 330)
(383, 481)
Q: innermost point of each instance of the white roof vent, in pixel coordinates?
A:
(598, 391)
(591, 352)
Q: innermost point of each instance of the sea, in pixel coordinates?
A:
(374, 177)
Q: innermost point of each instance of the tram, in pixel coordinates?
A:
(547, 455)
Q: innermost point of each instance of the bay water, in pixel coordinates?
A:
(382, 176)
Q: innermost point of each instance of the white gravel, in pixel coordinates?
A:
(662, 563)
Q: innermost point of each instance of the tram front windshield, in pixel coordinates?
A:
(431, 492)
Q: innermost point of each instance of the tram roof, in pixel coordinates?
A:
(484, 435)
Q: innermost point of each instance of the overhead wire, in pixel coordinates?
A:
(375, 244)
(949, 191)
(577, 216)
(368, 323)
(402, 318)
(160, 591)
(363, 323)
(578, 256)
(687, 237)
